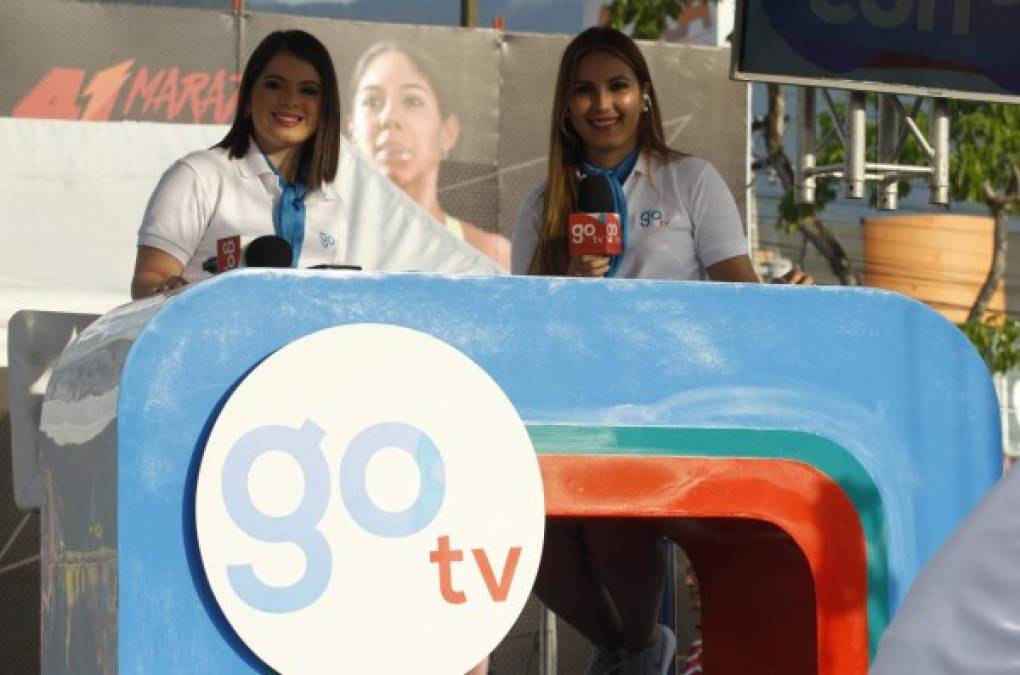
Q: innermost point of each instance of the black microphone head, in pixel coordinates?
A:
(595, 195)
(269, 251)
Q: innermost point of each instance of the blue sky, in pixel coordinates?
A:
(537, 16)
(552, 16)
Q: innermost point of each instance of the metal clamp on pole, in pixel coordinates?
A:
(849, 127)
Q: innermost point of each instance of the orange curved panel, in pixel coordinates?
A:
(793, 532)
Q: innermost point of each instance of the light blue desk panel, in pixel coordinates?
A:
(880, 375)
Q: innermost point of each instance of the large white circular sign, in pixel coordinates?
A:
(369, 502)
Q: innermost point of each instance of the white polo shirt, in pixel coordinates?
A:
(681, 220)
(206, 196)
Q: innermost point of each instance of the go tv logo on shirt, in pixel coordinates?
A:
(369, 502)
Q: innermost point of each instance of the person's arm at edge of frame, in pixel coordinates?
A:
(739, 268)
(156, 271)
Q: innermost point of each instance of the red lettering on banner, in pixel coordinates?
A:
(103, 90)
(168, 91)
(214, 96)
(191, 86)
(142, 86)
(163, 93)
(55, 97)
(223, 110)
(167, 97)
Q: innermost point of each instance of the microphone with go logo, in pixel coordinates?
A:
(269, 251)
(266, 251)
(228, 256)
(595, 229)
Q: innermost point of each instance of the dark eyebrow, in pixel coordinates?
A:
(611, 78)
(274, 76)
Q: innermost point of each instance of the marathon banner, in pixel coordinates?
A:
(961, 47)
(88, 62)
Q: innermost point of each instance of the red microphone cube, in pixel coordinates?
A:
(595, 234)
(228, 253)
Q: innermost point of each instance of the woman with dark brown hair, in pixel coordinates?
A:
(272, 173)
(679, 221)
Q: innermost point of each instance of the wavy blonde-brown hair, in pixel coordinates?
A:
(566, 149)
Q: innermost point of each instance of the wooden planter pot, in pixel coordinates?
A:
(941, 260)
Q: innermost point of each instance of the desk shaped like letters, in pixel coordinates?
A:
(810, 448)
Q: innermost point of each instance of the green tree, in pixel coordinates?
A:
(983, 168)
(647, 16)
(802, 218)
(984, 159)
(997, 341)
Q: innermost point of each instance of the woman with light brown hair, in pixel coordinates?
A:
(679, 221)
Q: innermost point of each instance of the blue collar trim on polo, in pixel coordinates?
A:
(617, 176)
(289, 219)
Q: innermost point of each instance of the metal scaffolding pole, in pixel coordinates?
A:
(469, 13)
(857, 139)
(888, 140)
(940, 144)
(850, 127)
(547, 642)
(804, 179)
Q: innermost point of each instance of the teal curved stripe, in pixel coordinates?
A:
(828, 457)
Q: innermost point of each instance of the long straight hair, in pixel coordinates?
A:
(566, 149)
(320, 154)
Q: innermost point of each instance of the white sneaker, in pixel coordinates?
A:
(606, 661)
(653, 660)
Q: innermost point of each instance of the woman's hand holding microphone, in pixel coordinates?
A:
(588, 266)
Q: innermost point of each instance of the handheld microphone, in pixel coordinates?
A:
(228, 256)
(595, 230)
(269, 251)
(266, 251)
